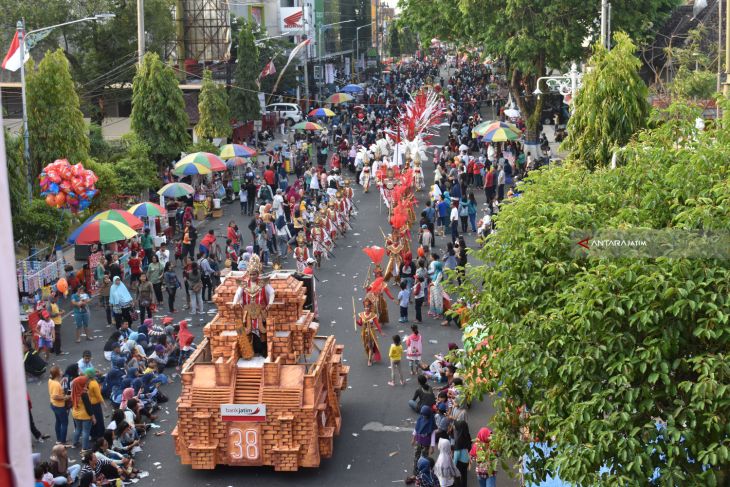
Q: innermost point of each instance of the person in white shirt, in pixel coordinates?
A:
(163, 254)
(278, 203)
(454, 220)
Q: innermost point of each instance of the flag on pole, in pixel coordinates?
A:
(269, 69)
(12, 58)
(296, 50)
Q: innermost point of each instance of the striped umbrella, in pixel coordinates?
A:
(176, 190)
(229, 151)
(148, 209)
(307, 126)
(102, 232)
(120, 216)
(191, 169)
(321, 112)
(236, 162)
(497, 132)
(338, 98)
(212, 161)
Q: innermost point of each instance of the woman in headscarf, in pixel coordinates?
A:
(425, 477)
(121, 302)
(96, 400)
(185, 342)
(113, 381)
(436, 292)
(424, 437)
(445, 468)
(63, 473)
(462, 446)
(485, 458)
(127, 394)
(81, 411)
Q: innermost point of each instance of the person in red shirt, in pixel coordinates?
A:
(206, 244)
(232, 235)
(270, 178)
(478, 166)
(135, 266)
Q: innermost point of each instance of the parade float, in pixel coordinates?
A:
(242, 409)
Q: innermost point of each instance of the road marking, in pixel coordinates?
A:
(380, 427)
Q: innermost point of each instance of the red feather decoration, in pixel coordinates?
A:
(375, 253)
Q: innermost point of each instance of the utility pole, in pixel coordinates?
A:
(307, 103)
(604, 23)
(26, 135)
(377, 34)
(140, 30)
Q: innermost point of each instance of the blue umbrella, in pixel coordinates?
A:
(351, 89)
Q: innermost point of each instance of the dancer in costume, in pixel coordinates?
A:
(301, 252)
(255, 295)
(436, 294)
(367, 320)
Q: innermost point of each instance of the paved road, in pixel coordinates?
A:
(365, 453)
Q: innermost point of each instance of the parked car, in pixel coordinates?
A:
(288, 111)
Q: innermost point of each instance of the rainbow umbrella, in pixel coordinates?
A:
(230, 151)
(338, 98)
(497, 131)
(191, 169)
(150, 210)
(102, 232)
(120, 216)
(176, 190)
(212, 161)
(236, 162)
(307, 126)
(321, 112)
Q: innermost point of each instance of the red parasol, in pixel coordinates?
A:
(375, 253)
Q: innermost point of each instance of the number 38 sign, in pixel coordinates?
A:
(243, 444)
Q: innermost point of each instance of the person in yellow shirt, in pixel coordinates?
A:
(97, 401)
(58, 404)
(57, 317)
(81, 412)
(395, 353)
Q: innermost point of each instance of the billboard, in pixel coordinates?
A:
(291, 20)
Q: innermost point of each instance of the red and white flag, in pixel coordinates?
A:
(269, 69)
(12, 58)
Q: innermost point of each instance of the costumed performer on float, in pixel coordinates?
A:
(255, 296)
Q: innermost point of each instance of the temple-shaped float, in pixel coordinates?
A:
(282, 410)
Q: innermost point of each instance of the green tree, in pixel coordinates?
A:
(694, 78)
(215, 116)
(158, 110)
(527, 38)
(107, 184)
(611, 106)
(394, 45)
(590, 354)
(55, 122)
(37, 224)
(17, 176)
(135, 172)
(244, 96)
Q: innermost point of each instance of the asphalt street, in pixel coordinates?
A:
(374, 445)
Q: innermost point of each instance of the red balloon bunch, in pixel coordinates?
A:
(68, 186)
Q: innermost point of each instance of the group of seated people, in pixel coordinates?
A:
(132, 387)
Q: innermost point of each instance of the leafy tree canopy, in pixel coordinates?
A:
(55, 123)
(135, 172)
(611, 106)
(215, 116)
(158, 109)
(611, 362)
(244, 96)
(37, 224)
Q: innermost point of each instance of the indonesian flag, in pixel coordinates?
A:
(12, 58)
(269, 69)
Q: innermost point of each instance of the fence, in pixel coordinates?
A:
(34, 272)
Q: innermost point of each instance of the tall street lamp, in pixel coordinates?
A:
(357, 43)
(565, 84)
(22, 35)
